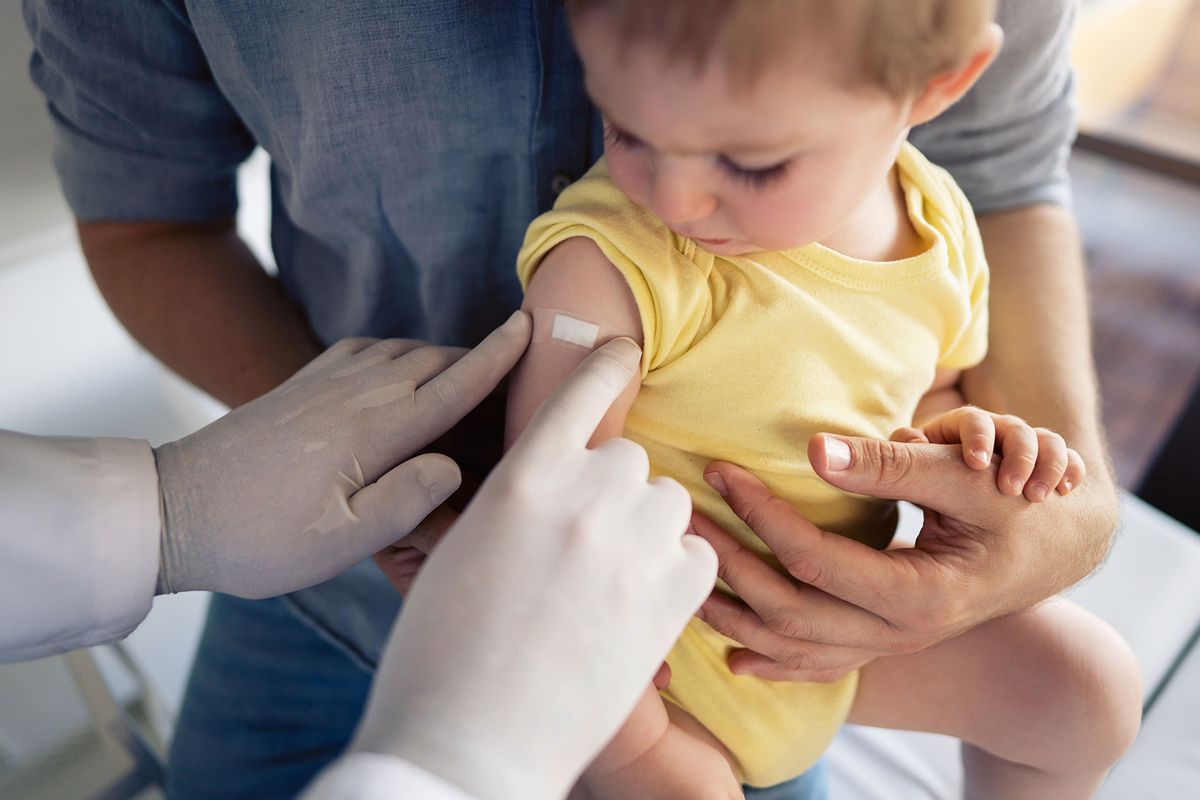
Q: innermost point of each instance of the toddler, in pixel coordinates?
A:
(791, 265)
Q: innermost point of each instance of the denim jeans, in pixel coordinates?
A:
(271, 701)
(268, 704)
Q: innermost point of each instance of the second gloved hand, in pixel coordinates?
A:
(543, 613)
(304, 482)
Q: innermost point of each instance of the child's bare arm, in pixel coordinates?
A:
(576, 279)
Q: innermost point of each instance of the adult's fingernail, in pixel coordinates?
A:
(982, 456)
(1065, 487)
(440, 481)
(517, 316)
(1039, 490)
(715, 480)
(837, 454)
(1017, 484)
(625, 351)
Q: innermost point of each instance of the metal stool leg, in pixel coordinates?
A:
(139, 751)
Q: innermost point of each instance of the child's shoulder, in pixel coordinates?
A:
(633, 239)
(937, 185)
(593, 222)
(943, 206)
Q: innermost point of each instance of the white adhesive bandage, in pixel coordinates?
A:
(574, 331)
(559, 327)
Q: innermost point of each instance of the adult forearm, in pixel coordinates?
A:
(197, 298)
(1039, 364)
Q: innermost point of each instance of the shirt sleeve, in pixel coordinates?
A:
(1007, 141)
(968, 342)
(667, 274)
(79, 542)
(142, 132)
(370, 776)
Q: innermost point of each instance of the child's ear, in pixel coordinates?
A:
(944, 89)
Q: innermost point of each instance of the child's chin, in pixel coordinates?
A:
(727, 247)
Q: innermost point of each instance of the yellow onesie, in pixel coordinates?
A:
(744, 359)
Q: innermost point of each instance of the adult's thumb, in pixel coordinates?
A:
(394, 505)
(929, 475)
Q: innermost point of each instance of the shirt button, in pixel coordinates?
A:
(559, 183)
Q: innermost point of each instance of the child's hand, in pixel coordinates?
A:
(1034, 460)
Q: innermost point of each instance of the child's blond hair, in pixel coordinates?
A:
(897, 45)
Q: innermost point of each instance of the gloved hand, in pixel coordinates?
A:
(299, 485)
(542, 615)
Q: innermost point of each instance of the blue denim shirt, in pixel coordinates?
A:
(411, 143)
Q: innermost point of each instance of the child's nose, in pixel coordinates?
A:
(678, 194)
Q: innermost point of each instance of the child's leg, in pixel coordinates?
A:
(1045, 701)
(660, 753)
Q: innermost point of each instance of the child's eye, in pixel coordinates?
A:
(615, 137)
(755, 178)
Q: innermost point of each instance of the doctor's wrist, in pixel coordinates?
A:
(162, 584)
(172, 571)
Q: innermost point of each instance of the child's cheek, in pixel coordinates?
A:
(785, 220)
(631, 175)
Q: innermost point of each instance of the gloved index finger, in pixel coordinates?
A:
(569, 416)
(450, 394)
(450, 382)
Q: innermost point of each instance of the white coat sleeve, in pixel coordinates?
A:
(371, 776)
(79, 540)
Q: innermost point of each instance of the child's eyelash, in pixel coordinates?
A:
(754, 178)
(616, 137)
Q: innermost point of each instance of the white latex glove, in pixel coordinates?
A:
(302, 483)
(540, 618)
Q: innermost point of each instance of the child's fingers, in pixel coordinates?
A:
(1050, 467)
(1075, 473)
(1019, 446)
(971, 427)
(909, 435)
(978, 433)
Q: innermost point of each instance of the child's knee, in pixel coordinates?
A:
(1093, 687)
(1117, 698)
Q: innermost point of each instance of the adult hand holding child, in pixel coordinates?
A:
(981, 554)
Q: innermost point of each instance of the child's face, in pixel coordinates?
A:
(777, 166)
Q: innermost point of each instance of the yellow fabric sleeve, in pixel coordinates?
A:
(947, 208)
(666, 273)
(970, 346)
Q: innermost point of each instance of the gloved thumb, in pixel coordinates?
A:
(391, 507)
(928, 475)
(697, 573)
